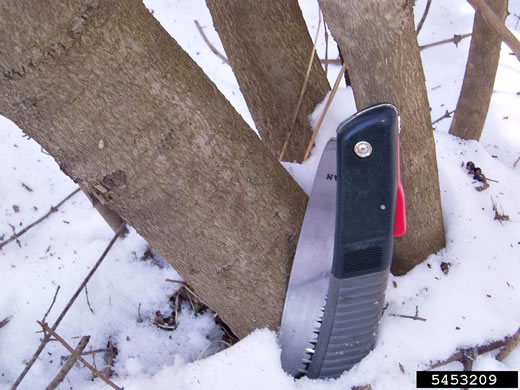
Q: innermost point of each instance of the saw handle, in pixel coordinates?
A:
(367, 192)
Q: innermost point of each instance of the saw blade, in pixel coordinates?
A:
(309, 280)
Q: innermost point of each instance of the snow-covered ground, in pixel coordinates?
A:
(476, 302)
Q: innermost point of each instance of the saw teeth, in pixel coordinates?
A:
(310, 350)
(306, 361)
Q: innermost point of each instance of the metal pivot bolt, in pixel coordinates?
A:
(363, 149)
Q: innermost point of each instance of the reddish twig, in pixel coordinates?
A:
(47, 336)
(75, 354)
(52, 210)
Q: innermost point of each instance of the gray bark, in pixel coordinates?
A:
(269, 47)
(175, 161)
(379, 44)
(479, 78)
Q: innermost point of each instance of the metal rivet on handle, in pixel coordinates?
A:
(363, 149)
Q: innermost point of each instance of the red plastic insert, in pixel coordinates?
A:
(400, 211)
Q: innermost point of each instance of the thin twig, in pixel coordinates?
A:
(325, 109)
(447, 114)
(52, 304)
(88, 302)
(86, 353)
(4, 322)
(302, 92)
(210, 45)
(425, 14)
(516, 162)
(479, 350)
(78, 356)
(415, 317)
(331, 61)
(510, 345)
(52, 210)
(68, 364)
(47, 336)
(496, 24)
(456, 39)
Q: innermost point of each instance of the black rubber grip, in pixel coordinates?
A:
(366, 191)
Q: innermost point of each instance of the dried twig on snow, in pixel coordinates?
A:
(210, 45)
(52, 304)
(78, 356)
(499, 216)
(415, 317)
(302, 92)
(47, 336)
(5, 321)
(475, 351)
(456, 39)
(88, 301)
(425, 14)
(68, 364)
(52, 210)
(510, 345)
(325, 109)
(496, 24)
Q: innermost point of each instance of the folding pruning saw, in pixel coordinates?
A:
(339, 276)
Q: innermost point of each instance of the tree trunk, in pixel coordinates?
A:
(379, 44)
(128, 115)
(479, 79)
(269, 47)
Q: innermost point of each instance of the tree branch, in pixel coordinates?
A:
(496, 24)
(47, 336)
(456, 39)
(425, 14)
(69, 364)
(52, 210)
(447, 114)
(78, 356)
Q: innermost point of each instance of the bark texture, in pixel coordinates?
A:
(128, 115)
(269, 47)
(379, 44)
(479, 78)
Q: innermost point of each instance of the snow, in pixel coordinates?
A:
(476, 302)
